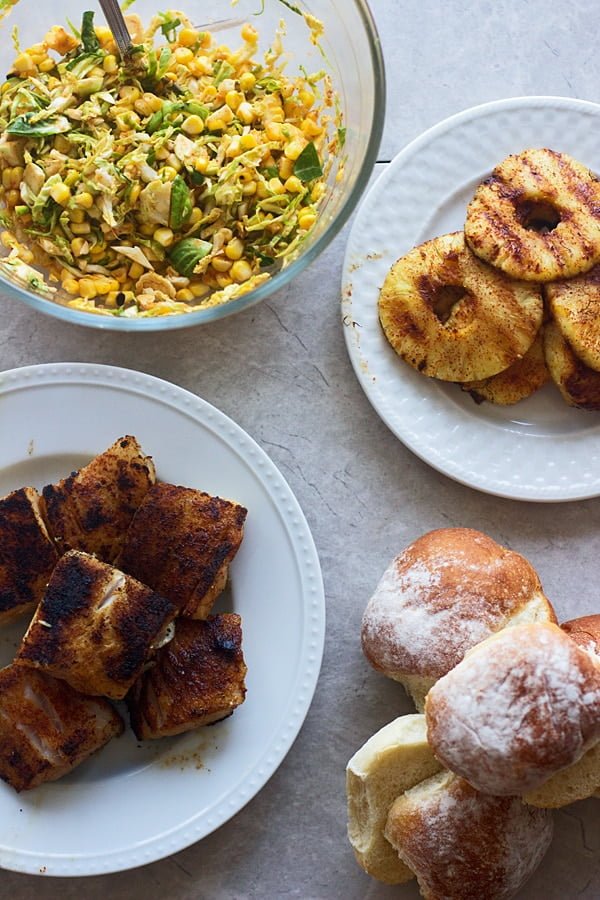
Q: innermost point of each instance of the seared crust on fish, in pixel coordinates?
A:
(27, 553)
(579, 385)
(537, 217)
(47, 728)
(575, 306)
(95, 627)
(92, 508)
(519, 381)
(198, 679)
(181, 542)
(452, 317)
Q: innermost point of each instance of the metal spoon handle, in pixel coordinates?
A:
(116, 23)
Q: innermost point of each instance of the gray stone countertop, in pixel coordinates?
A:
(281, 371)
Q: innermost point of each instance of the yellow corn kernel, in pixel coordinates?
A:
(12, 178)
(286, 168)
(147, 229)
(128, 92)
(72, 177)
(233, 148)
(221, 265)
(60, 193)
(103, 34)
(97, 251)
(223, 280)
(199, 289)
(164, 237)
(274, 131)
(195, 216)
(276, 186)
(84, 200)
(249, 33)
(81, 228)
(71, 285)
(310, 129)
(87, 288)
(201, 164)
(294, 149)
(168, 173)
(185, 295)
(12, 198)
(317, 192)
(110, 64)
(77, 216)
(233, 99)
(23, 63)
(145, 106)
(247, 81)
(306, 98)
(105, 285)
(219, 120)
(183, 55)
(46, 65)
(193, 125)
(241, 271)
(188, 37)
(162, 154)
(248, 141)
(245, 113)
(134, 194)
(136, 271)
(262, 191)
(234, 249)
(79, 246)
(293, 185)
(306, 219)
(248, 190)
(210, 91)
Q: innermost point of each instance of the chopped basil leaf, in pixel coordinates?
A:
(90, 42)
(308, 165)
(181, 203)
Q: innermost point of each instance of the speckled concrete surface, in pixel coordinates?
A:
(281, 371)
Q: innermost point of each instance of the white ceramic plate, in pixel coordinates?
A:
(131, 804)
(539, 449)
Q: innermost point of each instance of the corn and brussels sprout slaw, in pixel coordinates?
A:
(179, 178)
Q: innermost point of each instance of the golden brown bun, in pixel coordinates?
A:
(450, 316)
(181, 542)
(519, 708)
(197, 679)
(446, 592)
(92, 508)
(27, 554)
(463, 845)
(519, 381)
(47, 728)
(582, 779)
(575, 305)
(396, 758)
(95, 627)
(537, 217)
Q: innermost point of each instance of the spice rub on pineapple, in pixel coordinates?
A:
(453, 317)
(578, 384)
(575, 307)
(519, 381)
(537, 217)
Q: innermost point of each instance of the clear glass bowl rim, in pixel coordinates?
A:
(279, 280)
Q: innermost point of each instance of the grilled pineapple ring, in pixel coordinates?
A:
(537, 217)
(579, 385)
(453, 317)
(519, 381)
(575, 306)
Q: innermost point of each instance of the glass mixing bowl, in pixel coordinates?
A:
(350, 50)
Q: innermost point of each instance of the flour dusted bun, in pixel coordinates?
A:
(446, 592)
(582, 779)
(463, 845)
(396, 758)
(519, 708)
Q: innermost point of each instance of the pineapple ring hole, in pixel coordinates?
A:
(538, 215)
(444, 300)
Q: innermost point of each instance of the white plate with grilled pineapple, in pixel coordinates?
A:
(135, 801)
(538, 449)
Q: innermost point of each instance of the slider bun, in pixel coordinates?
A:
(396, 758)
(519, 708)
(445, 593)
(463, 845)
(583, 778)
